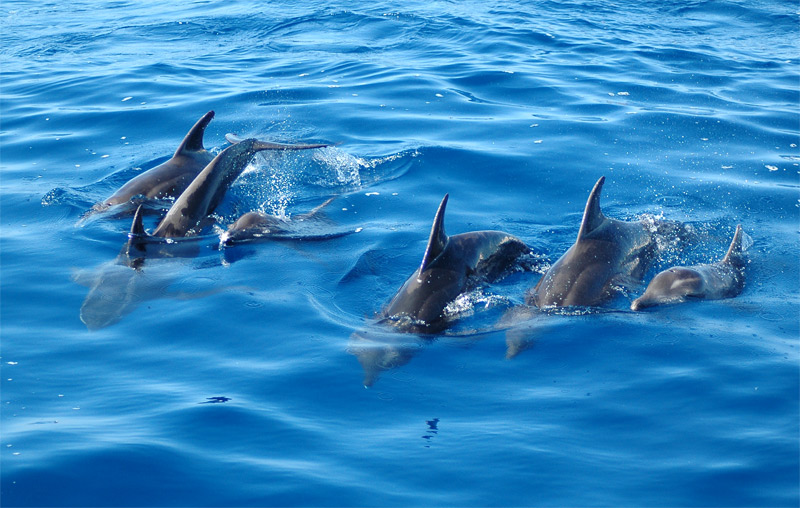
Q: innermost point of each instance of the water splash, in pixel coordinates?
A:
(467, 303)
(272, 182)
(344, 169)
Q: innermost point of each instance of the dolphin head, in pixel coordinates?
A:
(674, 285)
(253, 225)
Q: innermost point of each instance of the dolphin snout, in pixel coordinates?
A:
(639, 304)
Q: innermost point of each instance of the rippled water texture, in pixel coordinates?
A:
(234, 376)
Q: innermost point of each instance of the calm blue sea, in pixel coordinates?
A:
(233, 377)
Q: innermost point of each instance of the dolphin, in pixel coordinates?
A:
(257, 225)
(171, 177)
(450, 266)
(607, 253)
(206, 191)
(119, 287)
(723, 279)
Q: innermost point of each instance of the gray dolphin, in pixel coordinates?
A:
(257, 225)
(118, 287)
(171, 177)
(723, 279)
(450, 266)
(207, 189)
(607, 253)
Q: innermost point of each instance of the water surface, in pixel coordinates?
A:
(230, 377)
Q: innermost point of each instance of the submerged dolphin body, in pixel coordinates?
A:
(450, 266)
(171, 177)
(380, 350)
(607, 253)
(723, 279)
(118, 287)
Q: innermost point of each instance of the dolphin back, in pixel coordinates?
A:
(450, 266)
(607, 253)
(437, 241)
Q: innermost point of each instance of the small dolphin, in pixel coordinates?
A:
(206, 191)
(450, 266)
(723, 279)
(173, 176)
(258, 225)
(606, 253)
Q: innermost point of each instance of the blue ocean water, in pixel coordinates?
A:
(233, 377)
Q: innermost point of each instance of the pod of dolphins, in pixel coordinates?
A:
(607, 253)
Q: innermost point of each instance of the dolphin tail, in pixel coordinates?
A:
(317, 208)
(438, 237)
(266, 145)
(592, 215)
(734, 254)
(317, 211)
(193, 142)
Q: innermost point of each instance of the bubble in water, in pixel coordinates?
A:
(345, 167)
(466, 303)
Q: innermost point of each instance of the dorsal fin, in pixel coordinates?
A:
(137, 238)
(193, 142)
(592, 215)
(735, 250)
(137, 228)
(438, 238)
